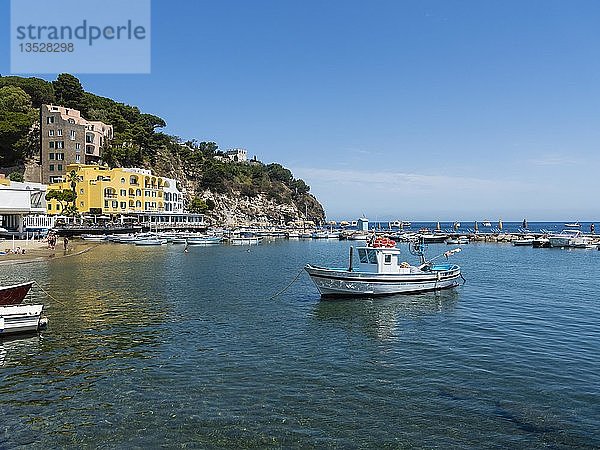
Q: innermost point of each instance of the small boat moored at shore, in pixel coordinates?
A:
(380, 273)
(14, 294)
(21, 319)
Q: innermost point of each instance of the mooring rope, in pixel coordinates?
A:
(48, 294)
(288, 286)
(463, 278)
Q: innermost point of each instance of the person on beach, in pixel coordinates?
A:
(65, 243)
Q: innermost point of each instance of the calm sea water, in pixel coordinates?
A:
(154, 347)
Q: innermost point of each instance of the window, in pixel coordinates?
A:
(59, 132)
(89, 149)
(81, 191)
(78, 158)
(124, 192)
(51, 167)
(50, 155)
(60, 144)
(49, 206)
(51, 144)
(60, 156)
(138, 204)
(138, 192)
(50, 119)
(72, 135)
(60, 167)
(71, 120)
(122, 180)
(77, 147)
(367, 256)
(89, 138)
(115, 204)
(80, 203)
(388, 259)
(50, 132)
(123, 205)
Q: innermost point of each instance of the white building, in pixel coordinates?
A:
(237, 155)
(173, 198)
(23, 206)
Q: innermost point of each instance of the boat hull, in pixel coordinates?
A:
(342, 283)
(13, 295)
(21, 319)
(204, 241)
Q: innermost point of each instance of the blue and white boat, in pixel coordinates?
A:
(380, 272)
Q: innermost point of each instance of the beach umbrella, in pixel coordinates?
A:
(500, 224)
(524, 223)
(437, 227)
(476, 226)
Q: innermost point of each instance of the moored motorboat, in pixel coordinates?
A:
(150, 241)
(568, 238)
(358, 236)
(94, 237)
(21, 319)
(524, 241)
(379, 272)
(14, 294)
(204, 240)
(541, 242)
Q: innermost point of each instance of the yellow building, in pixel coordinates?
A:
(101, 190)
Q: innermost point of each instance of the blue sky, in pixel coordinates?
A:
(417, 110)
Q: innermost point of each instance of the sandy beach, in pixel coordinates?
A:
(37, 251)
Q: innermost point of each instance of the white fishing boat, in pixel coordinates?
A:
(293, 235)
(21, 319)
(380, 272)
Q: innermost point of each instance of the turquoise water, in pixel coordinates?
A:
(153, 346)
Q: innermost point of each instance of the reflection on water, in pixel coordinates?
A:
(152, 347)
(382, 317)
(18, 348)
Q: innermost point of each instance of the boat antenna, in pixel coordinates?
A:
(350, 262)
(417, 248)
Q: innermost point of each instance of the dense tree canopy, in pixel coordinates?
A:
(138, 142)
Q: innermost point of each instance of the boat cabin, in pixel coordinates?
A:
(381, 260)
